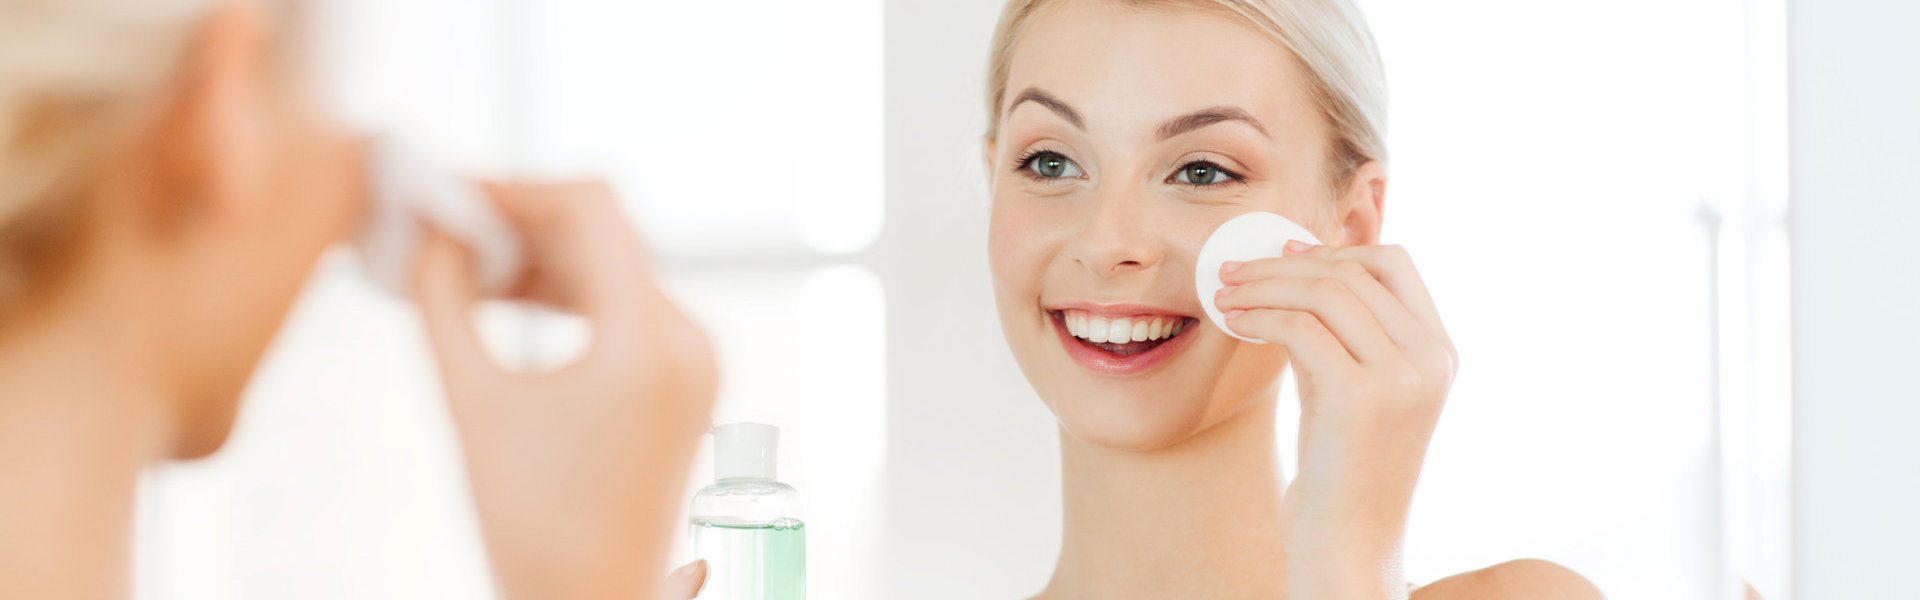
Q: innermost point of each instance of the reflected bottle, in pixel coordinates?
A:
(747, 525)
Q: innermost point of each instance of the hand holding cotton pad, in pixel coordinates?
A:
(1248, 237)
(409, 197)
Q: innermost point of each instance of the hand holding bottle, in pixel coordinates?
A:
(576, 473)
(684, 583)
(1374, 366)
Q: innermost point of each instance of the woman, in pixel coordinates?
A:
(166, 187)
(1121, 134)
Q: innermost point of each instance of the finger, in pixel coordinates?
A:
(1329, 299)
(1393, 267)
(1313, 347)
(1400, 324)
(584, 258)
(684, 583)
(446, 287)
(583, 254)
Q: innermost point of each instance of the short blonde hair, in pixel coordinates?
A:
(73, 76)
(1329, 38)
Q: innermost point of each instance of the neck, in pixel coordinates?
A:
(79, 418)
(1200, 519)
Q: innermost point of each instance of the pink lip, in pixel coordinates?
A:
(1100, 361)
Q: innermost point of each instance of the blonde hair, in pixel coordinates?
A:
(1329, 38)
(73, 75)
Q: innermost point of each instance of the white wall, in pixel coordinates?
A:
(1855, 86)
(973, 498)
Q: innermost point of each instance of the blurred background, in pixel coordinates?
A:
(1596, 192)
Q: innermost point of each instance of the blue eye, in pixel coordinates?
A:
(1203, 173)
(1050, 165)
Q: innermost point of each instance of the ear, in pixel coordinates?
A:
(1362, 205)
(210, 142)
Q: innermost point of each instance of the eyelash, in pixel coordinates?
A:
(1024, 165)
(1232, 177)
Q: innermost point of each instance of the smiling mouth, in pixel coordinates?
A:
(1122, 336)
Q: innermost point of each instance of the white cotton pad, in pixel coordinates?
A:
(1251, 236)
(409, 196)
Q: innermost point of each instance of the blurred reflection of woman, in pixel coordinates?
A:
(165, 186)
(1121, 134)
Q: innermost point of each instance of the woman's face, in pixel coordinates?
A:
(277, 184)
(1127, 136)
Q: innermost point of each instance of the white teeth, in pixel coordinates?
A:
(1097, 329)
(1119, 331)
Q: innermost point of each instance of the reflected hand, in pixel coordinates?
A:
(684, 583)
(576, 473)
(1374, 366)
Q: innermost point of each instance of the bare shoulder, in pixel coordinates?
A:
(1530, 579)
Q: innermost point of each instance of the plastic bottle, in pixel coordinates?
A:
(747, 525)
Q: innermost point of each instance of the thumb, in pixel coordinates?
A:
(685, 582)
(445, 286)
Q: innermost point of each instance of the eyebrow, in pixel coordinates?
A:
(1176, 126)
(1036, 96)
(1205, 117)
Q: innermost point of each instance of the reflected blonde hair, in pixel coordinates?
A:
(74, 75)
(1329, 38)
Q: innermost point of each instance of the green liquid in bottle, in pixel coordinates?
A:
(765, 561)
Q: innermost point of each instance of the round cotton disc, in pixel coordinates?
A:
(1251, 236)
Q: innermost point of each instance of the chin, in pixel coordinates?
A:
(1215, 378)
(1129, 421)
(1157, 410)
(200, 444)
(204, 423)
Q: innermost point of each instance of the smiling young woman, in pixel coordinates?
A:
(1121, 134)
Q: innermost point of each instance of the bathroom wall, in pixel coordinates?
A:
(1855, 81)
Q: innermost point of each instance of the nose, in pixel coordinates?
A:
(1116, 239)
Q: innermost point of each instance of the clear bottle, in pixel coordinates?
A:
(747, 525)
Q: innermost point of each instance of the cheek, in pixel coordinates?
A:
(1021, 239)
(1303, 198)
(1252, 371)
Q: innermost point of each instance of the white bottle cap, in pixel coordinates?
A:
(745, 451)
(1251, 236)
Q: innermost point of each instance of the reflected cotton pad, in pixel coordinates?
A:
(1251, 236)
(410, 196)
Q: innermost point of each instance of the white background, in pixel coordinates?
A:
(820, 208)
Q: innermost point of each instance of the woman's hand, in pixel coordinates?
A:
(576, 473)
(684, 583)
(1374, 366)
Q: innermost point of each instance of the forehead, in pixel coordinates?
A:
(1127, 67)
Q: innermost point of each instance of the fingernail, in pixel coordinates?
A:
(1298, 246)
(687, 569)
(1225, 291)
(1234, 313)
(1230, 266)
